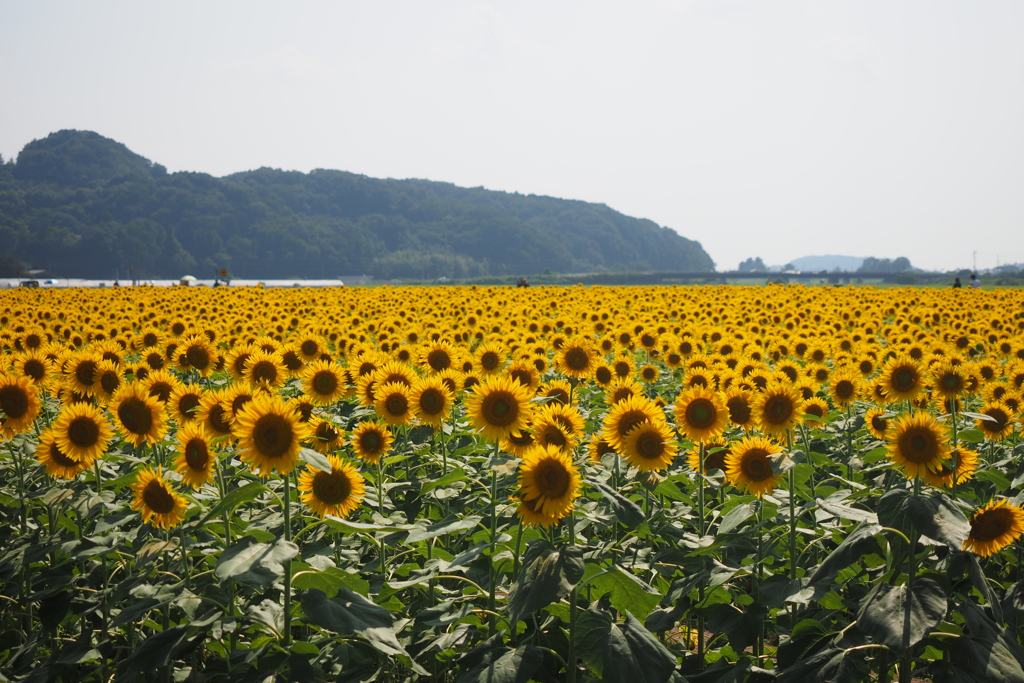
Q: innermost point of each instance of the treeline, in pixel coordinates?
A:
(80, 205)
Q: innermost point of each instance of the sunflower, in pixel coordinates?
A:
(948, 380)
(700, 414)
(500, 406)
(597, 448)
(576, 358)
(525, 373)
(235, 397)
(213, 415)
(371, 440)
(621, 389)
(740, 404)
(438, 356)
(265, 370)
(748, 465)
(37, 367)
(650, 446)
(138, 416)
(82, 433)
(392, 403)
(966, 463)
(19, 404)
(394, 371)
(549, 482)
(366, 387)
(81, 372)
(715, 452)
(338, 492)
(918, 443)
(520, 444)
(624, 416)
(490, 358)
(550, 432)
(623, 367)
(558, 390)
(269, 434)
(1001, 424)
(902, 378)
(649, 374)
(327, 437)
(161, 384)
(431, 400)
(199, 355)
(310, 346)
(50, 456)
(816, 407)
(994, 527)
(108, 380)
(877, 422)
(778, 409)
(603, 374)
(323, 382)
(184, 402)
(237, 359)
(195, 460)
(154, 497)
(844, 387)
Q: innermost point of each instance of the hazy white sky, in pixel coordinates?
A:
(772, 129)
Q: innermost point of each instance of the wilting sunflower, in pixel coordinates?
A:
(624, 416)
(748, 465)
(195, 459)
(198, 353)
(323, 382)
(902, 378)
(576, 358)
(57, 464)
(270, 434)
(877, 422)
(779, 408)
(844, 387)
(431, 400)
(1001, 424)
(19, 404)
(700, 414)
(82, 433)
(918, 443)
(966, 463)
(549, 482)
(327, 437)
(740, 404)
(138, 416)
(371, 440)
(500, 406)
(650, 446)
(392, 403)
(158, 502)
(184, 402)
(338, 492)
(994, 527)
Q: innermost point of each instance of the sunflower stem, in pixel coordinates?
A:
(759, 650)
(494, 540)
(849, 442)
(570, 660)
(519, 544)
(701, 527)
(287, 504)
(956, 455)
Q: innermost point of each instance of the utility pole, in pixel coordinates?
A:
(975, 268)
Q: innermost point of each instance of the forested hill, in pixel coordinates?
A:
(79, 204)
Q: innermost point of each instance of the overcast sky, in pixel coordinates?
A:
(771, 129)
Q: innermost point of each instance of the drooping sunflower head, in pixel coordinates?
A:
(431, 400)
(650, 446)
(549, 482)
(19, 404)
(195, 458)
(159, 504)
(82, 433)
(700, 414)
(779, 408)
(994, 527)
(138, 416)
(624, 416)
(338, 492)
(748, 465)
(371, 440)
(57, 464)
(918, 443)
(270, 434)
(499, 406)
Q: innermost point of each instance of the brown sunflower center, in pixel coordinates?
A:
(1000, 417)
(197, 455)
(218, 420)
(650, 445)
(951, 382)
(14, 401)
(291, 360)
(755, 465)
(431, 401)
(58, 456)
(621, 368)
(701, 413)
(522, 376)
(264, 371)
(500, 408)
(991, 524)
(396, 405)
(845, 389)
(904, 379)
(83, 431)
(325, 383)
(816, 410)
(439, 360)
(110, 381)
(522, 439)
(489, 360)
(716, 460)
(631, 419)
(198, 357)
(577, 359)
(135, 415)
(34, 368)
(552, 479)
(162, 390)
(239, 402)
(272, 435)
(309, 348)
(918, 445)
(880, 424)
(371, 441)
(603, 375)
(331, 488)
(778, 409)
(157, 498)
(621, 394)
(188, 403)
(553, 435)
(325, 432)
(85, 373)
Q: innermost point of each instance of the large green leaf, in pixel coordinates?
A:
(627, 512)
(157, 650)
(330, 580)
(740, 626)
(232, 500)
(899, 617)
(493, 662)
(348, 613)
(734, 517)
(547, 576)
(448, 525)
(989, 653)
(252, 562)
(934, 516)
(622, 653)
(627, 592)
(316, 460)
(860, 542)
(832, 665)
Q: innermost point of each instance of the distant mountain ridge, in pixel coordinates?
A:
(829, 262)
(78, 204)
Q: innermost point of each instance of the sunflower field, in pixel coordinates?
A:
(496, 485)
